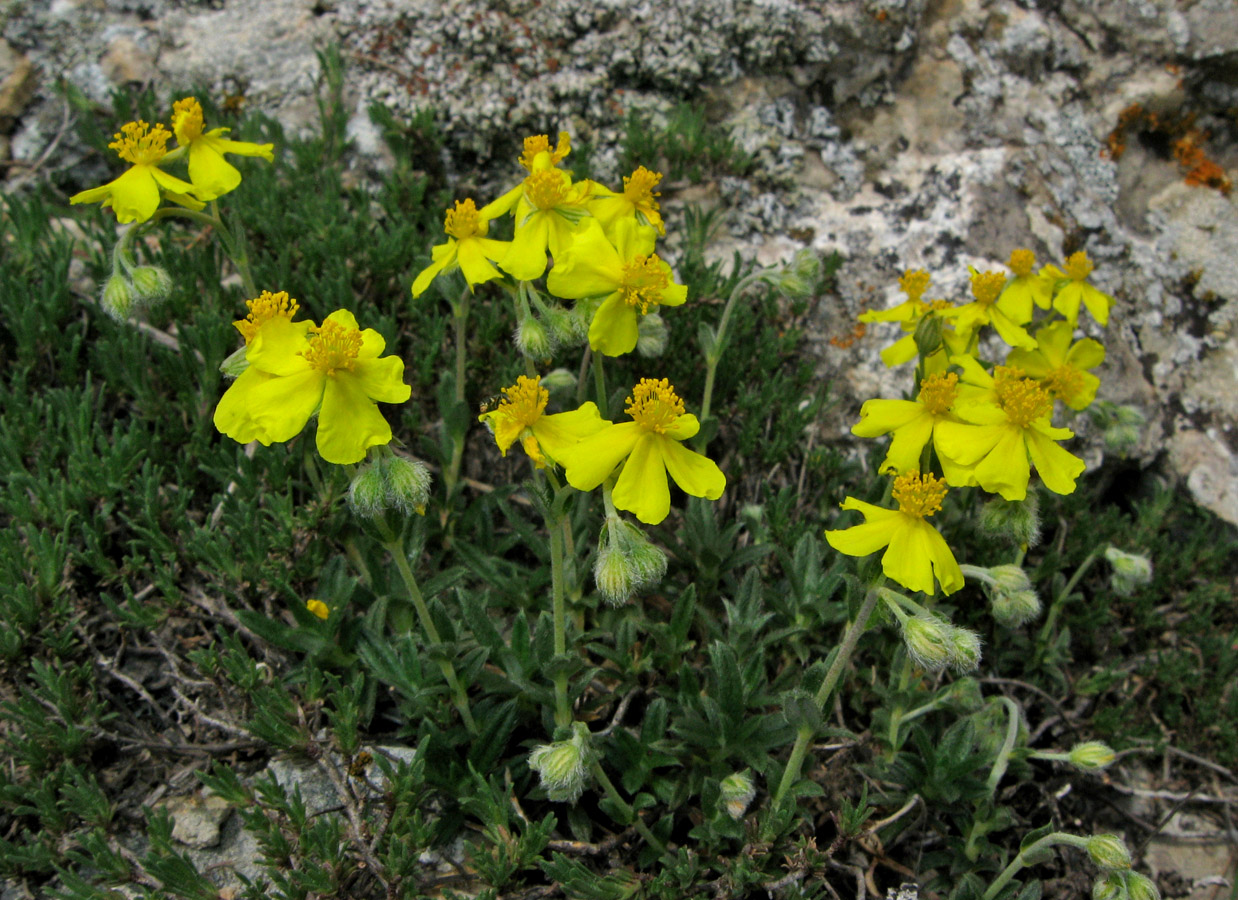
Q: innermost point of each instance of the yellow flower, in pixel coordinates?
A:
(263, 308)
(913, 283)
(548, 208)
(636, 200)
(650, 445)
(1060, 367)
(467, 247)
(211, 174)
(135, 194)
(335, 371)
(913, 424)
(998, 437)
(538, 155)
(318, 608)
(519, 416)
(989, 309)
(915, 550)
(628, 274)
(1077, 290)
(1025, 288)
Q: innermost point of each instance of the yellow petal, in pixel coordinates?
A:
(590, 462)
(555, 433)
(380, 379)
(1005, 469)
(1057, 468)
(615, 328)
(282, 406)
(1087, 354)
(860, 540)
(443, 256)
(276, 348)
(211, 174)
(589, 268)
(945, 566)
(232, 414)
(906, 560)
(349, 422)
(901, 351)
(642, 489)
(525, 258)
(473, 263)
(1097, 303)
(695, 474)
(878, 417)
(1053, 342)
(135, 194)
(908, 444)
(1067, 302)
(684, 427)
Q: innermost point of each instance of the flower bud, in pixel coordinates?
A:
(1009, 578)
(367, 494)
(927, 640)
(1130, 571)
(236, 363)
(1091, 756)
(1140, 887)
(563, 766)
(614, 576)
(626, 561)
(532, 339)
(563, 327)
(964, 649)
(928, 335)
(1016, 521)
(1109, 851)
(1015, 609)
(318, 608)
(408, 484)
(651, 335)
(151, 284)
(1121, 440)
(1109, 887)
(737, 792)
(117, 298)
(964, 695)
(559, 381)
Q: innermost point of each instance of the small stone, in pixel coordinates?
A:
(17, 84)
(196, 820)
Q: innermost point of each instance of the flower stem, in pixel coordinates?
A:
(459, 316)
(1055, 608)
(805, 734)
(612, 792)
(563, 708)
(599, 381)
(1003, 755)
(395, 546)
(233, 244)
(713, 355)
(1030, 852)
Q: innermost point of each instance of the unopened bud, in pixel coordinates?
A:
(117, 298)
(563, 767)
(367, 493)
(927, 640)
(626, 561)
(532, 340)
(408, 484)
(151, 284)
(559, 381)
(1109, 887)
(562, 326)
(1130, 571)
(1140, 887)
(1009, 578)
(964, 695)
(1109, 851)
(964, 649)
(928, 334)
(1015, 609)
(651, 335)
(737, 792)
(1016, 521)
(614, 576)
(1091, 756)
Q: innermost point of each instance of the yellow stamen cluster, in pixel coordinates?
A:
(639, 187)
(334, 348)
(141, 143)
(540, 143)
(525, 401)
(546, 189)
(462, 222)
(939, 305)
(987, 286)
(1021, 262)
(919, 495)
(187, 120)
(914, 282)
(1078, 266)
(1022, 399)
(654, 405)
(939, 391)
(1064, 381)
(644, 280)
(262, 309)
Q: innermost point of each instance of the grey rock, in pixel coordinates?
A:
(196, 819)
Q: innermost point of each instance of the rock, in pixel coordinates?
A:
(125, 63)
(17, 85)
(196, 819)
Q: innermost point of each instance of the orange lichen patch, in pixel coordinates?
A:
(1115, 144)
(844, 343)
(1200, 170)
(1184, 138)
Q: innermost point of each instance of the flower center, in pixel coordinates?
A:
(1022, 399)
(919, 495)
(1078, 267)
(987, 286)
(1064, 381)
(187, 120)
(524, 401)
(462, 222)
(639, 188)
(1021, 262)
(140, 143)
(938, 392)
(654, 405)
(644, 279)
(264, 308)
(540, 143)
(546, 189)
(914, 282)
(334, 347)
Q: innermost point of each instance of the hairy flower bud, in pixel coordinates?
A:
(563, 766)
(367, 493)
(964, 695)
(1130, 571)
(559, 381)
(151, 284)
(408, 484)
(651, 336)
(1109, 887)
(737, 792)
(927, 640)
(626, 561)
(532, 339)
(562, 326)
(928, 335)
(1015, 609)
(117, 297)
(798, 278)
(964, 649)
(1140, 887)
(1091, 756)
(1016, 521)
(1109, 851)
